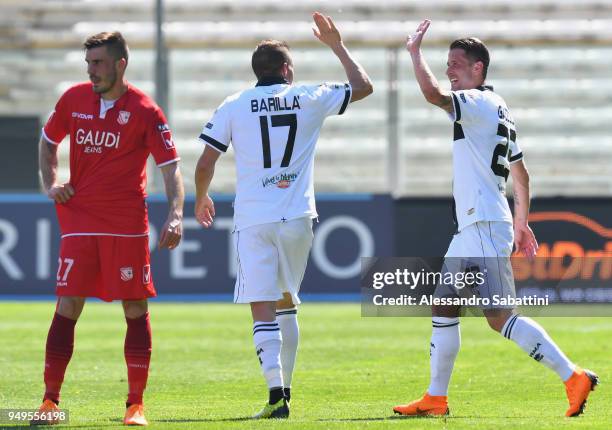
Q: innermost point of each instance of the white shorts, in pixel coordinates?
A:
(483, 247)
(482, 239)
(272, 260)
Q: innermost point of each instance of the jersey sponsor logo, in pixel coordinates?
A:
(166, 136)
(275, 104)
(209, 125)
(163, 127)
(126, 273)
(283, 180)
(124, 117)
(81, 115)
(146, 274)
(96, 140)
(462, 97)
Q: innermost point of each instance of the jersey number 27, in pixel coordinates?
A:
(503, 150)
(287, 120)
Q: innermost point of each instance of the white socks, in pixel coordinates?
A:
(534, 340)
(445, 343)
(268, 340)
(287, 321)
(525, 332)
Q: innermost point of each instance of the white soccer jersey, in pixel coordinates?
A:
(484, 146)
(274, 128)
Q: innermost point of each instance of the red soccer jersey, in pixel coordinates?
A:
(108, 158)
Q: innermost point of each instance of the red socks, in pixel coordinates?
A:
(137, 356)
(60, 343)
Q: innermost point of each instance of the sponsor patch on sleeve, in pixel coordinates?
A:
(209, 125)
(166, 136)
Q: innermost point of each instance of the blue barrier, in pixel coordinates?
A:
(350, 226)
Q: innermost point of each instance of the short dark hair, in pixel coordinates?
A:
(114, 42)
(475, 50)
(269, 57)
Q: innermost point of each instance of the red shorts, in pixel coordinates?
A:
(107, 267)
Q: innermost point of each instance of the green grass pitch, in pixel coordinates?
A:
(350, 372)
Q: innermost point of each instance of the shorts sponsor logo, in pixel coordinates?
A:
(146, 274)
(123, 117)
(126, 273)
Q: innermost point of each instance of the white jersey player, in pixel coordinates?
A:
(484, 154)
(484, 146)
(274, 128)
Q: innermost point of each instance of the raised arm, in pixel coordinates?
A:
(172, 231)
(524, 239)
(47, 164)
(327, 33)
(427, 81)
(205, 170)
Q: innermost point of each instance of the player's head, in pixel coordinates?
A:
(468, 61)
(106, 55)
(271, 58)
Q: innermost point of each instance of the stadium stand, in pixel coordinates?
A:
(551, 61)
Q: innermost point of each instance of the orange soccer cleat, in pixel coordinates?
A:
(48, 407)
(134, 416)
(578, 387)
(425, 406)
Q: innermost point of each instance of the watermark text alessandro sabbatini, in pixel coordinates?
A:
(411, 280)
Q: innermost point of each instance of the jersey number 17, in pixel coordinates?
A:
(287, 120)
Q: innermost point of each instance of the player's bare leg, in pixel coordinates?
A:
(444, 346)
(137, 350)
(536, 342)
(268, 342)
(58, 351)
(70, 307)
(286, 316)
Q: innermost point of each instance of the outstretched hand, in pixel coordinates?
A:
(326, 30)
(413, 41)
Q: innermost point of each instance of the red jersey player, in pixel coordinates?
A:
(102, 213)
